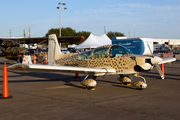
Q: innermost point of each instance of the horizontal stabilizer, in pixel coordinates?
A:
(166, 60)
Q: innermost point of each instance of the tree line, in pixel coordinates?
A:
(71, 32)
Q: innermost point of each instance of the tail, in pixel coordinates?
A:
(54, 51)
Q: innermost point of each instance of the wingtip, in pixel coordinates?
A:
(167, 60)
(18, 66)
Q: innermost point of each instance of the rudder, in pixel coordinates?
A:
(54, 51)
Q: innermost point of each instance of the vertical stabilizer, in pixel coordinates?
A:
(54, 52)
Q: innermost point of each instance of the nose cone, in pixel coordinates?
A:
(155, 60)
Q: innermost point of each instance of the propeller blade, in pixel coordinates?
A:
(159, 70)
(150, 49)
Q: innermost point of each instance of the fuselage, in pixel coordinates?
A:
(110, 56)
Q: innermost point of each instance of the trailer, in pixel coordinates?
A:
(141, 46)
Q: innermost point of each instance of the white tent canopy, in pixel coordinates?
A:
(95, 41)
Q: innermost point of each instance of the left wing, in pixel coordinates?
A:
(166, 60)
(92, 71)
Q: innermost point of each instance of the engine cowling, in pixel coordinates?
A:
(7, 46)
(89, 83)
(139, 85)
(125, 79)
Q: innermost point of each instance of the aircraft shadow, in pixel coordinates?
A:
(167, 76)
(108, 81)
(117, 84)
(73, 85)
(47, 78)
(123, 86)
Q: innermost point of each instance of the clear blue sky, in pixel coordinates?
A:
(148, 18)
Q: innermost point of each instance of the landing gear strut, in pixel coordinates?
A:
(140, 84)
(125, 79)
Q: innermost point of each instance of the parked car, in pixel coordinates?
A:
(74, 50)
(37, 51)
(45, 50)
(1, 54)
(65, 51)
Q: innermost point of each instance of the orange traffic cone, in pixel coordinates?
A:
(34, 58)
(162, 66)
(40, 58)
(169, 57)
(45, 57)
(162, 69)
(76, 75)
(5, 84)
(168, 54)
(24, 60)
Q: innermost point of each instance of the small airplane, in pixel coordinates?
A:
(10, 47)
(161, 48)
(104, 60)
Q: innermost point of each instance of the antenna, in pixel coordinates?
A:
(10, 32)
(24, 33)
(104, 29)
(29, 32)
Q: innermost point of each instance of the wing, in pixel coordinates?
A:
(71, 39)
(60, 39)
(166, 60)
(91, 71)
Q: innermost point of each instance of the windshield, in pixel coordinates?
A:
(101, 52)
(128, 51)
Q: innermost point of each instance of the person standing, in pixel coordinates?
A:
(19, 58)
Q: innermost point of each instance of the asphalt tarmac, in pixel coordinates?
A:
(59, 96)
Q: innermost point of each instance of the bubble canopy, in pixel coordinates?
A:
(108, 51)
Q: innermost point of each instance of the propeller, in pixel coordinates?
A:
(159, 70)
(155, 61)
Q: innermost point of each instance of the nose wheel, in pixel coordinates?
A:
(140, 84)
(137, 75)
(126, 80)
